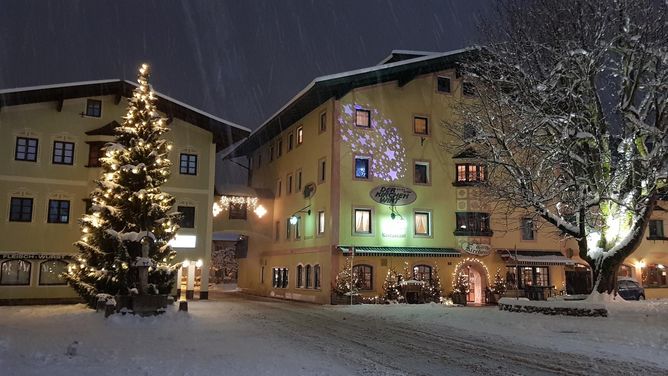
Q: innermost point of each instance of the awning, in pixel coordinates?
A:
(401, 251)
(534, 258)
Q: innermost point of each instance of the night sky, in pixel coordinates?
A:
(240, 60)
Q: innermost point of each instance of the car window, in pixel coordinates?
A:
(622, 284)
(633, 285)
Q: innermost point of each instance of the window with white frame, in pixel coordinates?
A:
(363, 118)
(288, 184)
(323, 122)
(300, 135)
(321, 222)
(362, 223)
(421, 172)
(362, 165)
(422, 223)
(422, 273)
(322, 170)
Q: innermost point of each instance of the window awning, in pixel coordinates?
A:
(534, 258)
(401, 251)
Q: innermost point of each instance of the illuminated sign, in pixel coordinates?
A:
(394, 228)
(183, 241)
(393, 195)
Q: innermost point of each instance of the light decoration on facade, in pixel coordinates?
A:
(465, 262)
(380, 140)
(250, 202)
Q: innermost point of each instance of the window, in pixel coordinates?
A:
(95, 153)
(362, 168)
(316, 277)
(422, 273)
(290, 141)
(422, 223)
(298, 224)
(279, 148)
(188, 164)
(300, 276)
(26, 149)
(284, 281)
(654, 275)
(238, 210)
(278, 188)
(187, 216)
(323, 122)
(20, 209)
(308, 277)
(362, 221)
(63, 153)
(277, 231)
(288, 184)
(528, 276)
(299, 180)
(275, 277)
(288, 229)
(300, 136)
(470, 223)
(420, 125)
(262, 275)
(468, 89)
(322, 170)
(59, 211)
(363, 118)
(470, 173)
(443, 84)
(93, 108)
(656, 229)
(321, 222)
(50, 272)
(15, 272)
(271, 153)
(259, 159)
(421, 173)
(528, 229)
(364, 274)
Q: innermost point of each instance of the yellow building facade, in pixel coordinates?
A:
(51, 139)
(358, 161)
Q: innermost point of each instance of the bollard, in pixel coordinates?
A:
(183, 305)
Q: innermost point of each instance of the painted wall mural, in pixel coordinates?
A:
(369, 133)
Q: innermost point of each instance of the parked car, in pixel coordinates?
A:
(630, 289)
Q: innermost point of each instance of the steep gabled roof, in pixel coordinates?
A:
(400, 55)
(225, 133)
(337, 85)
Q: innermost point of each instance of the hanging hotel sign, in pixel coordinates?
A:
(393, 195)
(477, 249)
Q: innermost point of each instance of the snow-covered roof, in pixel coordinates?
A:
(225, 132)
(336, 85)
(535, 257)
(397, 55)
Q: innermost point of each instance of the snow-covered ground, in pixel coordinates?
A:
(238, 335)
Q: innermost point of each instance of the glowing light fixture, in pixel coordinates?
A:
(260, 211)
(640, 264)
(185, 263)
(293, 220)
(199, 263)
(183, 241)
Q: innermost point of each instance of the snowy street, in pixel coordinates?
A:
(238, 335)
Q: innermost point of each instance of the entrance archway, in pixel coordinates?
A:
(476, 276)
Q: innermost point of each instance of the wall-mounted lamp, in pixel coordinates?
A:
(293, 217)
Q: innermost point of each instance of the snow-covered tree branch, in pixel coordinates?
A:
(570, 116)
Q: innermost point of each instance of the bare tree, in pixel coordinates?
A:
(570, 116)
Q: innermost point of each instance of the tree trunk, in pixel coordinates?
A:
(605, 276)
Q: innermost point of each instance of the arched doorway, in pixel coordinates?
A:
(476, 276)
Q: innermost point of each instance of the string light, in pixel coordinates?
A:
(468, 260)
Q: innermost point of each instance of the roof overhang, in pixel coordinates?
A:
(399, 251)
(225, 133)
(534, 258)
(337, 85)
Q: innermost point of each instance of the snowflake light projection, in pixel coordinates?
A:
(381, 141)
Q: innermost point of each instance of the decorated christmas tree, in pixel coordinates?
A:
(434, 289)
(461, 285)
(499, 286)
(128, 209)
(391, 292)
(346, 283)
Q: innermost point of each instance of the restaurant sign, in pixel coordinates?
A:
(393, 195)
